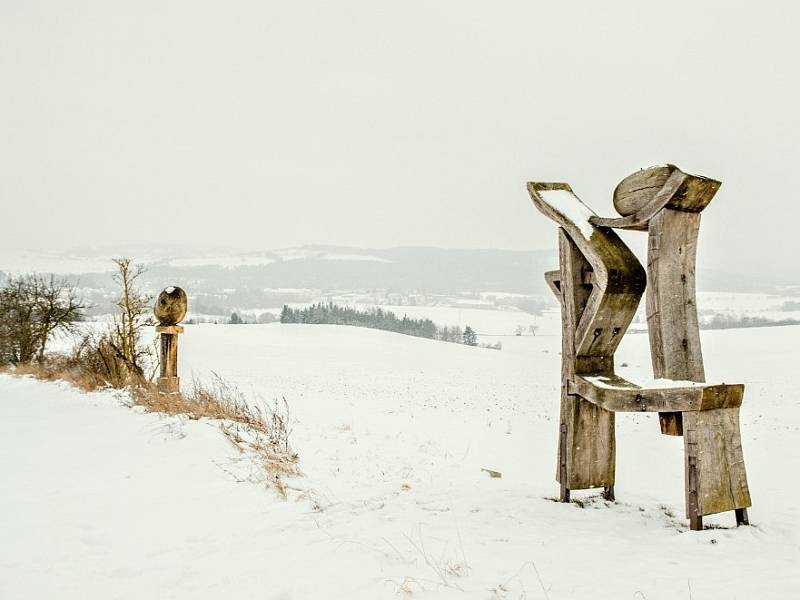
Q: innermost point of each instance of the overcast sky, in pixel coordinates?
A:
(272, 124)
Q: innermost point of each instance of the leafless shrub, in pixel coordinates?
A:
(116, 357)
(33, 309)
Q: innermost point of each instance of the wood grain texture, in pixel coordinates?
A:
(638, 189)
(553, 280)
(671, 307)
(715, 471)
(587, 445)
(617, 280)
(625, 396)
(680, 191)
(168, 381)
(168, 355)
(169, 329)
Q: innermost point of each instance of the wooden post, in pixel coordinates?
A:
(587, 446)
(170, 308)
(168, 380)
(599, 285)
(672, 305)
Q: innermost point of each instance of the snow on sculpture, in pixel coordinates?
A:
(599, 285)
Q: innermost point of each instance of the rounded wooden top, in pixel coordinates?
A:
(170, 307)
(638, 189)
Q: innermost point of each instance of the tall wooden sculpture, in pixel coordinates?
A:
(599, 285)
(170, 308)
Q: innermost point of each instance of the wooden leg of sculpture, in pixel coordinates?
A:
(714, 466)
(570, 259)
(716, 480)
(741, 517)
(608, 493)
(562, 477)
(586, 449)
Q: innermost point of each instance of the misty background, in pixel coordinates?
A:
(262, 125)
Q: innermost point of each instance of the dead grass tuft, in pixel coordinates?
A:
(61, 368)
(261, 431)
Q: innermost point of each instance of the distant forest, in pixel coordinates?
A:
(741, 322)
(377, 318)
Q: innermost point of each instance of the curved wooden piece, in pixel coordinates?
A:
(641, 195)
(618, 395)
(616, 277)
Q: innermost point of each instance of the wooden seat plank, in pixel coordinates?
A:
(619, 395)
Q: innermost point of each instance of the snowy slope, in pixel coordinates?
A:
(393, 432)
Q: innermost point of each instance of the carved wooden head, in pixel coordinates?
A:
(170, 307)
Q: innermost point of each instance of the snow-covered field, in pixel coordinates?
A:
(393, 431)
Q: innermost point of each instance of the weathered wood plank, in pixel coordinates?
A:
(587, 446)
(716, 476)
(168, 356)
(553, 280)
(671, 308)
(169, 329)
(613, 273)
(618, 395)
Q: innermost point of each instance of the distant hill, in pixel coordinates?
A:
(422, 270)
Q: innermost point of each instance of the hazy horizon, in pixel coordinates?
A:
(378, 125)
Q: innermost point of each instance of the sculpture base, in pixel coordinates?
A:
(169, 385)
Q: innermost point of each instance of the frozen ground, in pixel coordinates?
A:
(393, 431)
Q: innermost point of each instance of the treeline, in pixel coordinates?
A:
(743, 322)
(377, 318)
(236, 318)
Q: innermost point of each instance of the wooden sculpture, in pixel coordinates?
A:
(170, 308)
(599, 285)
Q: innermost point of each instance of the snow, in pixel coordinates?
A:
(169, 290)
(569, 205)
(393, 432)
(660, 383)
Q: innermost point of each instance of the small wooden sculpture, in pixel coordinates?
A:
(170, 308)
(599, 285)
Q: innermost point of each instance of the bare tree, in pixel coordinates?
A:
(32, 309)
(133, 315)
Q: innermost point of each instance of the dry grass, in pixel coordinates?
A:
(61, 368)
(260, 432)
